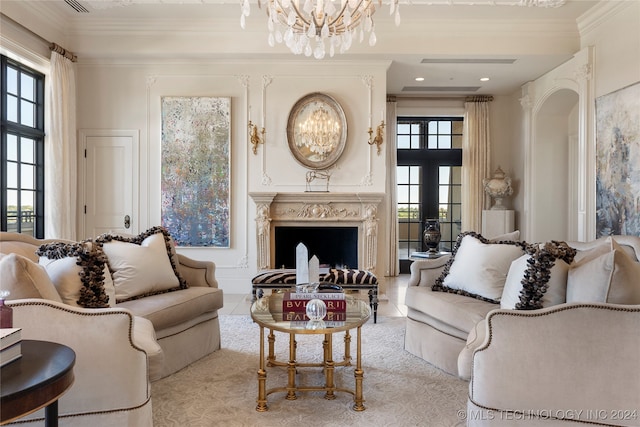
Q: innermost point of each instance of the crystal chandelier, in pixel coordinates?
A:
(315, 26)
(319, 133)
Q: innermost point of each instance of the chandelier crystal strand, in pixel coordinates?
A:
(313, 27)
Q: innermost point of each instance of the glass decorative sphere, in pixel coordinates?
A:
(316, 309)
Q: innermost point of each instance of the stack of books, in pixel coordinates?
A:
(294, 306)
(10, 345)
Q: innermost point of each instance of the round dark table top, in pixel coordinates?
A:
(38, 378)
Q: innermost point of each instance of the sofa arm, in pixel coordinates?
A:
(424, 272)
(197, 273)
(111, 371)
(576, 361)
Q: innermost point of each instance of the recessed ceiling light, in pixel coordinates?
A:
(419, 79)
(485, 79)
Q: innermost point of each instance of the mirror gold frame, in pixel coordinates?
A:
(317, 131)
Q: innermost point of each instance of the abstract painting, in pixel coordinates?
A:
(618, 162)
(195, 170)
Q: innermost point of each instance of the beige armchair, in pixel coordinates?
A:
(567, 362)
(111, 385)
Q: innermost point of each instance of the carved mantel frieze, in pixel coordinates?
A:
(321, 209)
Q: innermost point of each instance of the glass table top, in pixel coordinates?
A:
(269, 312)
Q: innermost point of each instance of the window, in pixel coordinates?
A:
(22, 149)
(429, 181)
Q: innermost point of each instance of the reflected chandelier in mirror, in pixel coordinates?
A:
(317, 131)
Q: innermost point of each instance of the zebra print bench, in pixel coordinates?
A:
(347, 278)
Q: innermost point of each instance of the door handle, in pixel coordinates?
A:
(127, 221)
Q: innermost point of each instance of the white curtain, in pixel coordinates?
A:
(393, 267)
(60, 151)
(476, 155)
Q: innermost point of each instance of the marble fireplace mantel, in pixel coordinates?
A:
(317, 209)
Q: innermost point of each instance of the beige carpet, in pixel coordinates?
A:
(221, 389)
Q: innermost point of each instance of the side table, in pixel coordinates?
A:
(36, 380)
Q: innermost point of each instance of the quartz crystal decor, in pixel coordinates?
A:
(316, 309)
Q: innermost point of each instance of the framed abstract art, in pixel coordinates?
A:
(196, 170)
(618, 162)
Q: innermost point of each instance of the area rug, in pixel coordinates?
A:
(221, 389)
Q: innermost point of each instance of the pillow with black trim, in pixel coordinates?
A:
(539, 278)
(350, 276)
(142, 265)
(478, 267)
(79, 273)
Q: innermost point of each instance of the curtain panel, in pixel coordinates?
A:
(393, 267)
(476, 156)
(61, 163)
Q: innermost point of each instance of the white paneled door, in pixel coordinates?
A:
(109, 181)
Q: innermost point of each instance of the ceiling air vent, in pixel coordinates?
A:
(468, 61)
(77, 6)
(440, 88)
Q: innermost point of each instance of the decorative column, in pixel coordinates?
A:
(263, 236)
(371, 237)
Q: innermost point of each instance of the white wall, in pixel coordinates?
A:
(126, 95)
(608, 61)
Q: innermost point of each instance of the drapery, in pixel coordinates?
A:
(476, 156)
(390, 188)
(61, 151)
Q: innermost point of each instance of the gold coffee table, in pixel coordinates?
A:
(267, 312)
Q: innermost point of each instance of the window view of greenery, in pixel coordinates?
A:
(22, 166)
(428, 181)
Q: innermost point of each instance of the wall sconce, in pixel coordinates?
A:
(255, 137)
(379, 138)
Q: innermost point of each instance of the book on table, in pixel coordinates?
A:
(10, 345)
(294, 303)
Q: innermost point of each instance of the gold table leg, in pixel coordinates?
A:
(291, 368)
(359, 375)
(272, 340)
(262, 378)
(347, 348)
(329, 366)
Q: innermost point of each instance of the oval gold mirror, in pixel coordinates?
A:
(317, 131)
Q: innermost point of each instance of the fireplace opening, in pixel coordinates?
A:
(335, 247)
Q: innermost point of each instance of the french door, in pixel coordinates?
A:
(429, 182)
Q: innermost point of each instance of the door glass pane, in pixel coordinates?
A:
(12, 108)
(12, 147)
(402, 175)
(27, 87)
(404, 142)
(415, 175)
(444, 141)
(27, 150)
(12, 80)
(27, 176)
(27, 113)
(403, 194)
(12, 175)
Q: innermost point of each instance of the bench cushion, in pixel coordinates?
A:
(340, 276)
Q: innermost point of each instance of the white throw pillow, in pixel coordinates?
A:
(478, 267)
(513, 236)
(24, 278)
(609, 276)
(140, 269)
(79, 273)
(556, 285)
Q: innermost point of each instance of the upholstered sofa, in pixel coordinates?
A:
(568, 349)
(127, 338)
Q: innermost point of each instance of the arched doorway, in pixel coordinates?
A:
(554, 207)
